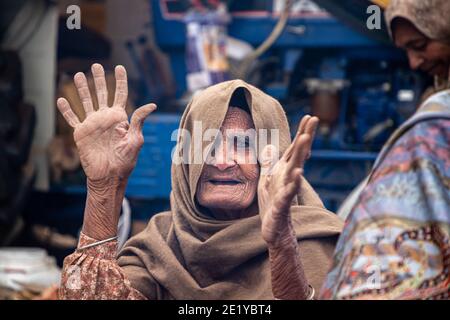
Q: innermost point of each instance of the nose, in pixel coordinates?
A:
(224, 166)
(415, 60)
(221, 159)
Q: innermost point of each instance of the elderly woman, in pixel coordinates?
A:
(222, 237)
(396, 241)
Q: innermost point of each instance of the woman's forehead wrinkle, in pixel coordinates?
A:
(236, 118)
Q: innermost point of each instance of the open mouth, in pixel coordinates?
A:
(224, 182)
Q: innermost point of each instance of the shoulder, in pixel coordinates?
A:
(426, 143)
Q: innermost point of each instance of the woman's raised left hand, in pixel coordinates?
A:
(280, 182)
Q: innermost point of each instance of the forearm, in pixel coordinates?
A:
(103, 204)
(92, 272)
(288, 277)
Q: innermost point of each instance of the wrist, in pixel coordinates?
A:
(103, 205)
(285, 239)
(106, 185)
(98, 227)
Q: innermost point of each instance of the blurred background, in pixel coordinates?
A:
(332, 59)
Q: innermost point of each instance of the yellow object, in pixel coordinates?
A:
(382, 3)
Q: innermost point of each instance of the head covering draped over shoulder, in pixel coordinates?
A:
(185, 254)
(431, 17)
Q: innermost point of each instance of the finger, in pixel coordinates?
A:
(311, 126)
(302, 125)
(310, 129)
(100, 85)
(83, 92)
(121, 94)
(138, 118)
(66, 111)
(268, 159)
(300, 152)
(300, 130)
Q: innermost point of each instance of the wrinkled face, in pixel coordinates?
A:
(228, 182)
(430, 56)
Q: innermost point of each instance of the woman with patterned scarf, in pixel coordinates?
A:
(395, 243)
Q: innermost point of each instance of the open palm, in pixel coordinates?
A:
(107, 143)
(280, 182)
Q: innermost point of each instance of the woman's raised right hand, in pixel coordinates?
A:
(107, 143)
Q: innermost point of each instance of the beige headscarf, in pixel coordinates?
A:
(431, 17)
(184, 254)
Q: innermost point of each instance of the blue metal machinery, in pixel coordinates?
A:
(323, 31)
(151, 177)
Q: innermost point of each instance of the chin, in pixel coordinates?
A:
(217, 201)
(237, 198)
(441, 72)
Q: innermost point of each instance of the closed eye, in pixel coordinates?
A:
(418, 45)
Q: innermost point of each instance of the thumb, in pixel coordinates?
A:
(138, 117)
